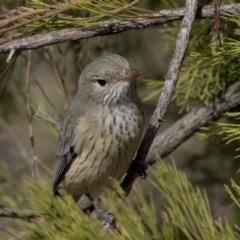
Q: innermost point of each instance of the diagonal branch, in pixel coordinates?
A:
(117, 26)
(166, 95)
(9, 213)
(184, 128)
(15, 215)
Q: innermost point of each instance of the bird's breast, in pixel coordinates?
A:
(106, 144)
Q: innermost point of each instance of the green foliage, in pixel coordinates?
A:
(234, 192)
(229, 131)
(188, 208)
(12, 199)
(210, 74)
(211, 64)
(208, 70)
(187, 215)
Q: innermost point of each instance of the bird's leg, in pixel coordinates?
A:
(106, 217)
(140, 169)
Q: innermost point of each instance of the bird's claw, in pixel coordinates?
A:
(108, 219)
(140, 169)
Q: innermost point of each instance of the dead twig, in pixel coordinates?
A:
(216, 33)
(15, 215)
(29, 113)
(44, 93)
(9, 213)
(46, 117)
(6, 68)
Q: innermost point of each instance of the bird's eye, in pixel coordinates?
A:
(101, 82)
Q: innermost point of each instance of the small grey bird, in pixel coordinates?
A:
(101, 128)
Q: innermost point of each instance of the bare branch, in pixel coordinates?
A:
(29, 114)
(9, 213)
(44, 93)
(4, 70)
(117, 26)
(184, 128)
(216, 33)
(58, 75)
(46, 117)
(166, 95)
(15, 215)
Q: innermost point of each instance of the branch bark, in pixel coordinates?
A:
(78, 33)
(166, 95)
(9, 213)
(184, 128)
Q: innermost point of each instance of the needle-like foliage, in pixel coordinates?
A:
(187, 214)
(211, 65)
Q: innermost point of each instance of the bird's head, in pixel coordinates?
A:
(107, 79)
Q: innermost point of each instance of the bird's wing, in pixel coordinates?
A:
(66, 152)
(65, 155)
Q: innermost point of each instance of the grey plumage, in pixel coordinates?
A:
(101, 128)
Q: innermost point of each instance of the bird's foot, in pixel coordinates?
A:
(140, 169)
(107, 218)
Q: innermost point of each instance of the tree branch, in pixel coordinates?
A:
(15, 215)
(12, 214)
(166, 95)
(117, 26)
(184, 128)
(29, 112)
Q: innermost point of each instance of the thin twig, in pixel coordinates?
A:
(58, 75)
(7, 67)
(12, 214)
(43, 115)
(216, 33)
(226, 209)
(116, 26)
(44, 93)
(166, 95)
(11, 54)
(29, 113)
(15, 215)
(43, 165)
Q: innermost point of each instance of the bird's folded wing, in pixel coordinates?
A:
(65, 155)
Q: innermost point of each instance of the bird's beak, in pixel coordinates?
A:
(130, 74)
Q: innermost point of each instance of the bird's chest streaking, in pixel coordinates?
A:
(106, 149)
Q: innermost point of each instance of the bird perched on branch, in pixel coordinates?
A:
(101, 128)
